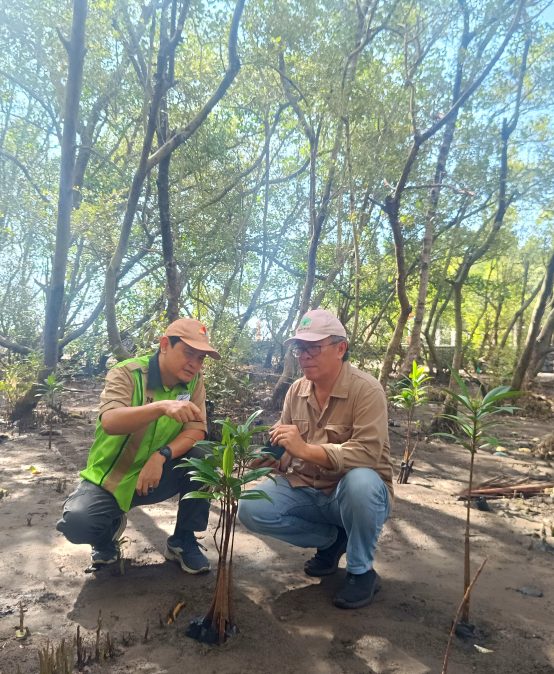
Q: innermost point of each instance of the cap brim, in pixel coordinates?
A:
(202, 346)
(305, 337)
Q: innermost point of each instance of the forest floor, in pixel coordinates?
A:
(287, 621)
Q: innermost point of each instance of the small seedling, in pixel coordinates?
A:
(97, 641)
(21, 632)
(412, 394)
(84, 652)
(58, 660)
(472, 423)
(49, 390)
(224, 475)
(121, 543)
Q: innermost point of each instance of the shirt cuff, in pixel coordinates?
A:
(334, 453)
(196, 425)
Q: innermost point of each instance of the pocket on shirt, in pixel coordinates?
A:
(303, 426)
(338, 433)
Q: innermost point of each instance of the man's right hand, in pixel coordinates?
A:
(180, 410)
(123, 420)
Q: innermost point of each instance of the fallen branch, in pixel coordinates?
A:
(529, 489)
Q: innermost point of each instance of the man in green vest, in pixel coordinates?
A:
(152, 413)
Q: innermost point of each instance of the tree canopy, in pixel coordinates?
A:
(240, 162)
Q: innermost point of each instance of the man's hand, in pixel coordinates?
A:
(150, 475)
(180, 410)
(288, 436)
(124, 420)
(269, 462)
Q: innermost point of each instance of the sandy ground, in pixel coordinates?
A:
(287, 621)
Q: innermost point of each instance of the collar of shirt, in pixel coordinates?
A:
(154, 380)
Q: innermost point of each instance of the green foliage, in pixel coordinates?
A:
(49, 390)
(17, 378)
(412, 393)
(412, 389)
(472, 420)
(230, 234)
(228, 383)
(474, 415)
(225, 471)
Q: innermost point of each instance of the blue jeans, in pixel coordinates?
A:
(92, 515)
(309, 518)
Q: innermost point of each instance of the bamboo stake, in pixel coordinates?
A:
(465, 600)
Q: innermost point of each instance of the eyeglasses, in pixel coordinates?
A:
(312, 350)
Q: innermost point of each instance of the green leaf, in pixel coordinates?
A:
(206, 479)
(228, 460)
(202, 494)
(499, 393)
(255, 495)
(252, 418)
(202, 465)
(255, 474)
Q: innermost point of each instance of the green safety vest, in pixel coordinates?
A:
(115, 461)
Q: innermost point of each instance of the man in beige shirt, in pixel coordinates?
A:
(333, 487)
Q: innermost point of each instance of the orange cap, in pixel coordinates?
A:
(194, 334)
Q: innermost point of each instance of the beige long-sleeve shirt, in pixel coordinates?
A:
(352, 428)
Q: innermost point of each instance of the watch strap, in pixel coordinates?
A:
(166, 451)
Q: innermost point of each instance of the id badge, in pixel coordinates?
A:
(183, 396)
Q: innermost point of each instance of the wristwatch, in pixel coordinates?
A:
(166, 451)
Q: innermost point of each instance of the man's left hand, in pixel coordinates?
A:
(150, 475)
(288, 436)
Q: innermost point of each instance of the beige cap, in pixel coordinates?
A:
(318, 324)
(194, 334)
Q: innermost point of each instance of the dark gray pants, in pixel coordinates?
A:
(92, 515)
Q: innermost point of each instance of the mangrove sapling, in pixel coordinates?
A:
(412, 394)
(224, 473)
(49, 390)
(472, 423)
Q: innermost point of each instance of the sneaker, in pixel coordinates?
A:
(358, 590)
(111, 552)
(326, 561)
(186, 552)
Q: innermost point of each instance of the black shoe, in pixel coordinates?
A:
(325, 562)
(358, 590)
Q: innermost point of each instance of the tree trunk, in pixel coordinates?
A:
(148, 162)
(392, 203)
(55, 297)
(508, 127)
(392, 209)
(414, 347)
(517, 319)
(543, 344)
(522, 367)
(56, 290)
